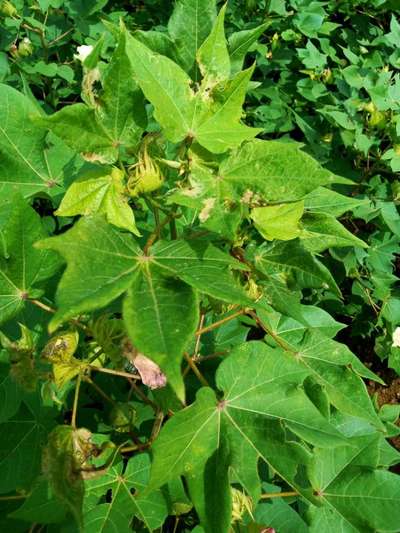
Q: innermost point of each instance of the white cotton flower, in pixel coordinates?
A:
(83, 52)
(396, 338)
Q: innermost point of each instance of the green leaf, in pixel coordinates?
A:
(40, 506)
(202, 266)
(296, 263)
(278, 514)
(278, 221)
(25, 269)
(26, 165)
(272, 373)
(213, 56)
(119, 483)
(98, 273)
(210, 492)
(104, 263)
(100, 191)
(334, 367)
(249, 419)
(122, 108)
(321, 231)
(368, 500)
(10, 394)
(101, 265)
(80, 129)
(161, 315)
(19, 451)
(116, 120)
(240, 42)
(278, 171)
(186, 441)
(190, 23)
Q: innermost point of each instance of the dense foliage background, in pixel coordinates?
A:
(326, 74)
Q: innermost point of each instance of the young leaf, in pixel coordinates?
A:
(221, 129)
(212, 56)
(166, 86)
(295, 262)
(323, 200)
(240, 42)
(321, 231)
(190, 23)
(278, 221)
(100, 191)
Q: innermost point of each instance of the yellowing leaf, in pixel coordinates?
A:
(102, 191)
(278, 221)
(60, 352)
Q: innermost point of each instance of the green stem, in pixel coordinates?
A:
(99, 390)
(270, 495)
(220, 322)
(76, 399)
(195, 370)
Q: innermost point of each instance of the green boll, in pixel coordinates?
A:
(8, 9)
(377, 119)
(122, 417)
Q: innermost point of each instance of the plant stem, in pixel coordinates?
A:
(14, 497)
(156, 234)
(42, 305)
(269, 495)
(49, 309)
(142, 396)
(76, 398)
(176, 524)
(196, 371)
(268, 330)
(113, 372)
(100, 391)
(220, 322)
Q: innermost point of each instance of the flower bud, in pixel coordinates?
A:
(370, 107)
(25, 47)
(146, 176)
(327, 76)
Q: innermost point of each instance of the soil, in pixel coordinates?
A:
(388, 394)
